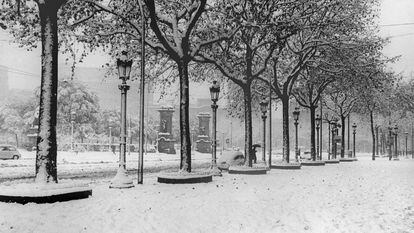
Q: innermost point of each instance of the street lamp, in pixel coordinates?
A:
(390, 142)
(214, 92)
(335, 126)
(72, 122)
(329, 139)
(396, 142)
(296, 118)
(110, 138)
(318, 123)
(121, 179)
(354, 126)
(263, 107)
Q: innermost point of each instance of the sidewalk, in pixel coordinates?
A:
(363, 196)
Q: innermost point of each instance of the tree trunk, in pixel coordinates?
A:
(320, 134)
(376, 140)
(46, 170)
(248, 141)
(348, 126)
(312, 138)
(343, 118)
(371, 119)
(381, 142)
(285, 109)
(329, 140)
(185, 152)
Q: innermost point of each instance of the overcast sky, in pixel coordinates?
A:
(402, 36)
(25, 66)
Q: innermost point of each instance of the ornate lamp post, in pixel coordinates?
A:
(263, 107)
(396, 142)
(390, 142)
(121, 179)
(214, 92)
(335, 126)
(354, 126)
(110, 138)
(329, 140)
(296, 118)
(338, 126)
(72, 122)
(318, 124)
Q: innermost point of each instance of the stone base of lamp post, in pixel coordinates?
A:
(185, 177)
(246, 170)
(286, 166)
(44, 193)
(215, 171)
(121, 180)
(312, 163)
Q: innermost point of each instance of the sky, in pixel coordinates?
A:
(25, 66)
(394, 12)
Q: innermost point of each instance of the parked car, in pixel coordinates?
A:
(9, 152)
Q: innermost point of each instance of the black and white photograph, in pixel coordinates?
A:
(206, 116)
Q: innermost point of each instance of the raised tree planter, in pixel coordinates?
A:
(44, 193)
(348, 159)
(313, 163)
(286, 166)
(332, 161)
(185, 178)
(223, 168)
(245, 170)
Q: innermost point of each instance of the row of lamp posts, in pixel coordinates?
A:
(392, 140)
(335, 129)
(121, 180)
(214, 92)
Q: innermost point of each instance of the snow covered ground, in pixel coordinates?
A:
(91, 164)
(363, 196)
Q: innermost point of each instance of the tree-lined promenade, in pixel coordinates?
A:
(320, 54)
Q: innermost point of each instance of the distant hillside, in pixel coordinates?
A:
(106, 88)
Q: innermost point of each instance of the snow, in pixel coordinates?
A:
(362, 196)
(43, 189)
(88, 162)
(121, 179)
